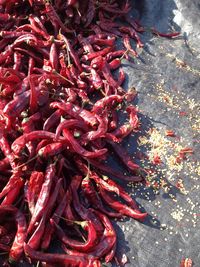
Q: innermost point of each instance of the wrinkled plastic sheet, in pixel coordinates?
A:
(167, 78)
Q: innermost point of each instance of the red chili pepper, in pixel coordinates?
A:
(52, 149)
(36, 237)
(90, 56)
(79, 149)
(5, 148)
(104, 168)
(108, 76)
(168, 35)
(10, 184)
(102, 42)
(107, 184)
(133, 34)
(56, 217)
(87, 47)
(100, 105)
(115, 64)
(96, 79)
(17, 105)
(115, 54)
(20, 142)
(43, 196)
(108, 240)
(186, 263)
(76, 112)
(72, 123)
(17, 61)
(5, 17)
(52, 120)
(124, 157)
(121, 208)
(127, 44)
(94, 198)
(33, 189)
(17, 246)
(62, 259)
(27, 52)
(97, 63)
(101, 130)
(13, 193)
(53, 57)
(90, 12)
(84, 213)
(77, 245)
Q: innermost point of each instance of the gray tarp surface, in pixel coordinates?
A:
(167, 78)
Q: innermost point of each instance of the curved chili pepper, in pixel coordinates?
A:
(76, 112)
(79, 149)
(5, 148)
(127, 44)
(117, 174)
(52, 149)
(84, 213)
(66, 124)
(94, 198)
(28, 124)
(17, 105)
(107, 184)
(121, 208)
(106, 101)
(17, 60)
(63, 259)
(124, 157)
(102, 52)
(108, 240)
(167, 35)
(52, 120)
(115, 54)
(133, 34)
(86, 246)
(20, 142)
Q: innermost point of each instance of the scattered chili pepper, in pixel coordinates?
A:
(170, 133)
(186, 263)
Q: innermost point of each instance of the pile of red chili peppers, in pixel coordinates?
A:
(59, 108)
